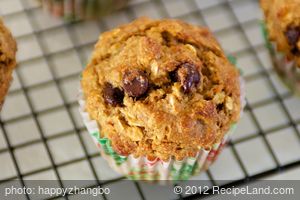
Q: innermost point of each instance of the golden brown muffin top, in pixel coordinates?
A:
(161, 88)
(283, 23)
(8, 50)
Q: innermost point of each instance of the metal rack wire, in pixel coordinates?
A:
(223, 16)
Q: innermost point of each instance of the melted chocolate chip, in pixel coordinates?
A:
(293, 35)
(187, 75)
(135, 82)
(113, 96)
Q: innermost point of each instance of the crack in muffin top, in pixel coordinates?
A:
(161, 88)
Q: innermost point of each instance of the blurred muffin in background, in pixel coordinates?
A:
(72, 10)
(8, 48)
(282, 35)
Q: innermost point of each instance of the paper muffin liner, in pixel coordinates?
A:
(142, 168)
(72, 10)
(286, 69)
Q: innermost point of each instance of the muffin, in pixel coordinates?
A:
(160, 98)
(72, 10)
(282, 36)
(8, 50)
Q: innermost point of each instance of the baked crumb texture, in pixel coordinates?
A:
(8, 50)
(161, 88)
(282, 19)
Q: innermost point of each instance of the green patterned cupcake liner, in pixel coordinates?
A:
(152, 170)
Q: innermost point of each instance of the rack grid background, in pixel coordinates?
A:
(41, 133)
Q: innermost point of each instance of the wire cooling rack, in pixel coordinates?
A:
(41, 133)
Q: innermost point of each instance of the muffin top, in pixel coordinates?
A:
(161, 88)
(283, 23)
(8, 50)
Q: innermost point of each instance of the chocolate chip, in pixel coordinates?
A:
(173, 76)
(295, 51)
(187, 75)
(135, 82)
(112, 96)
(293, 35)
